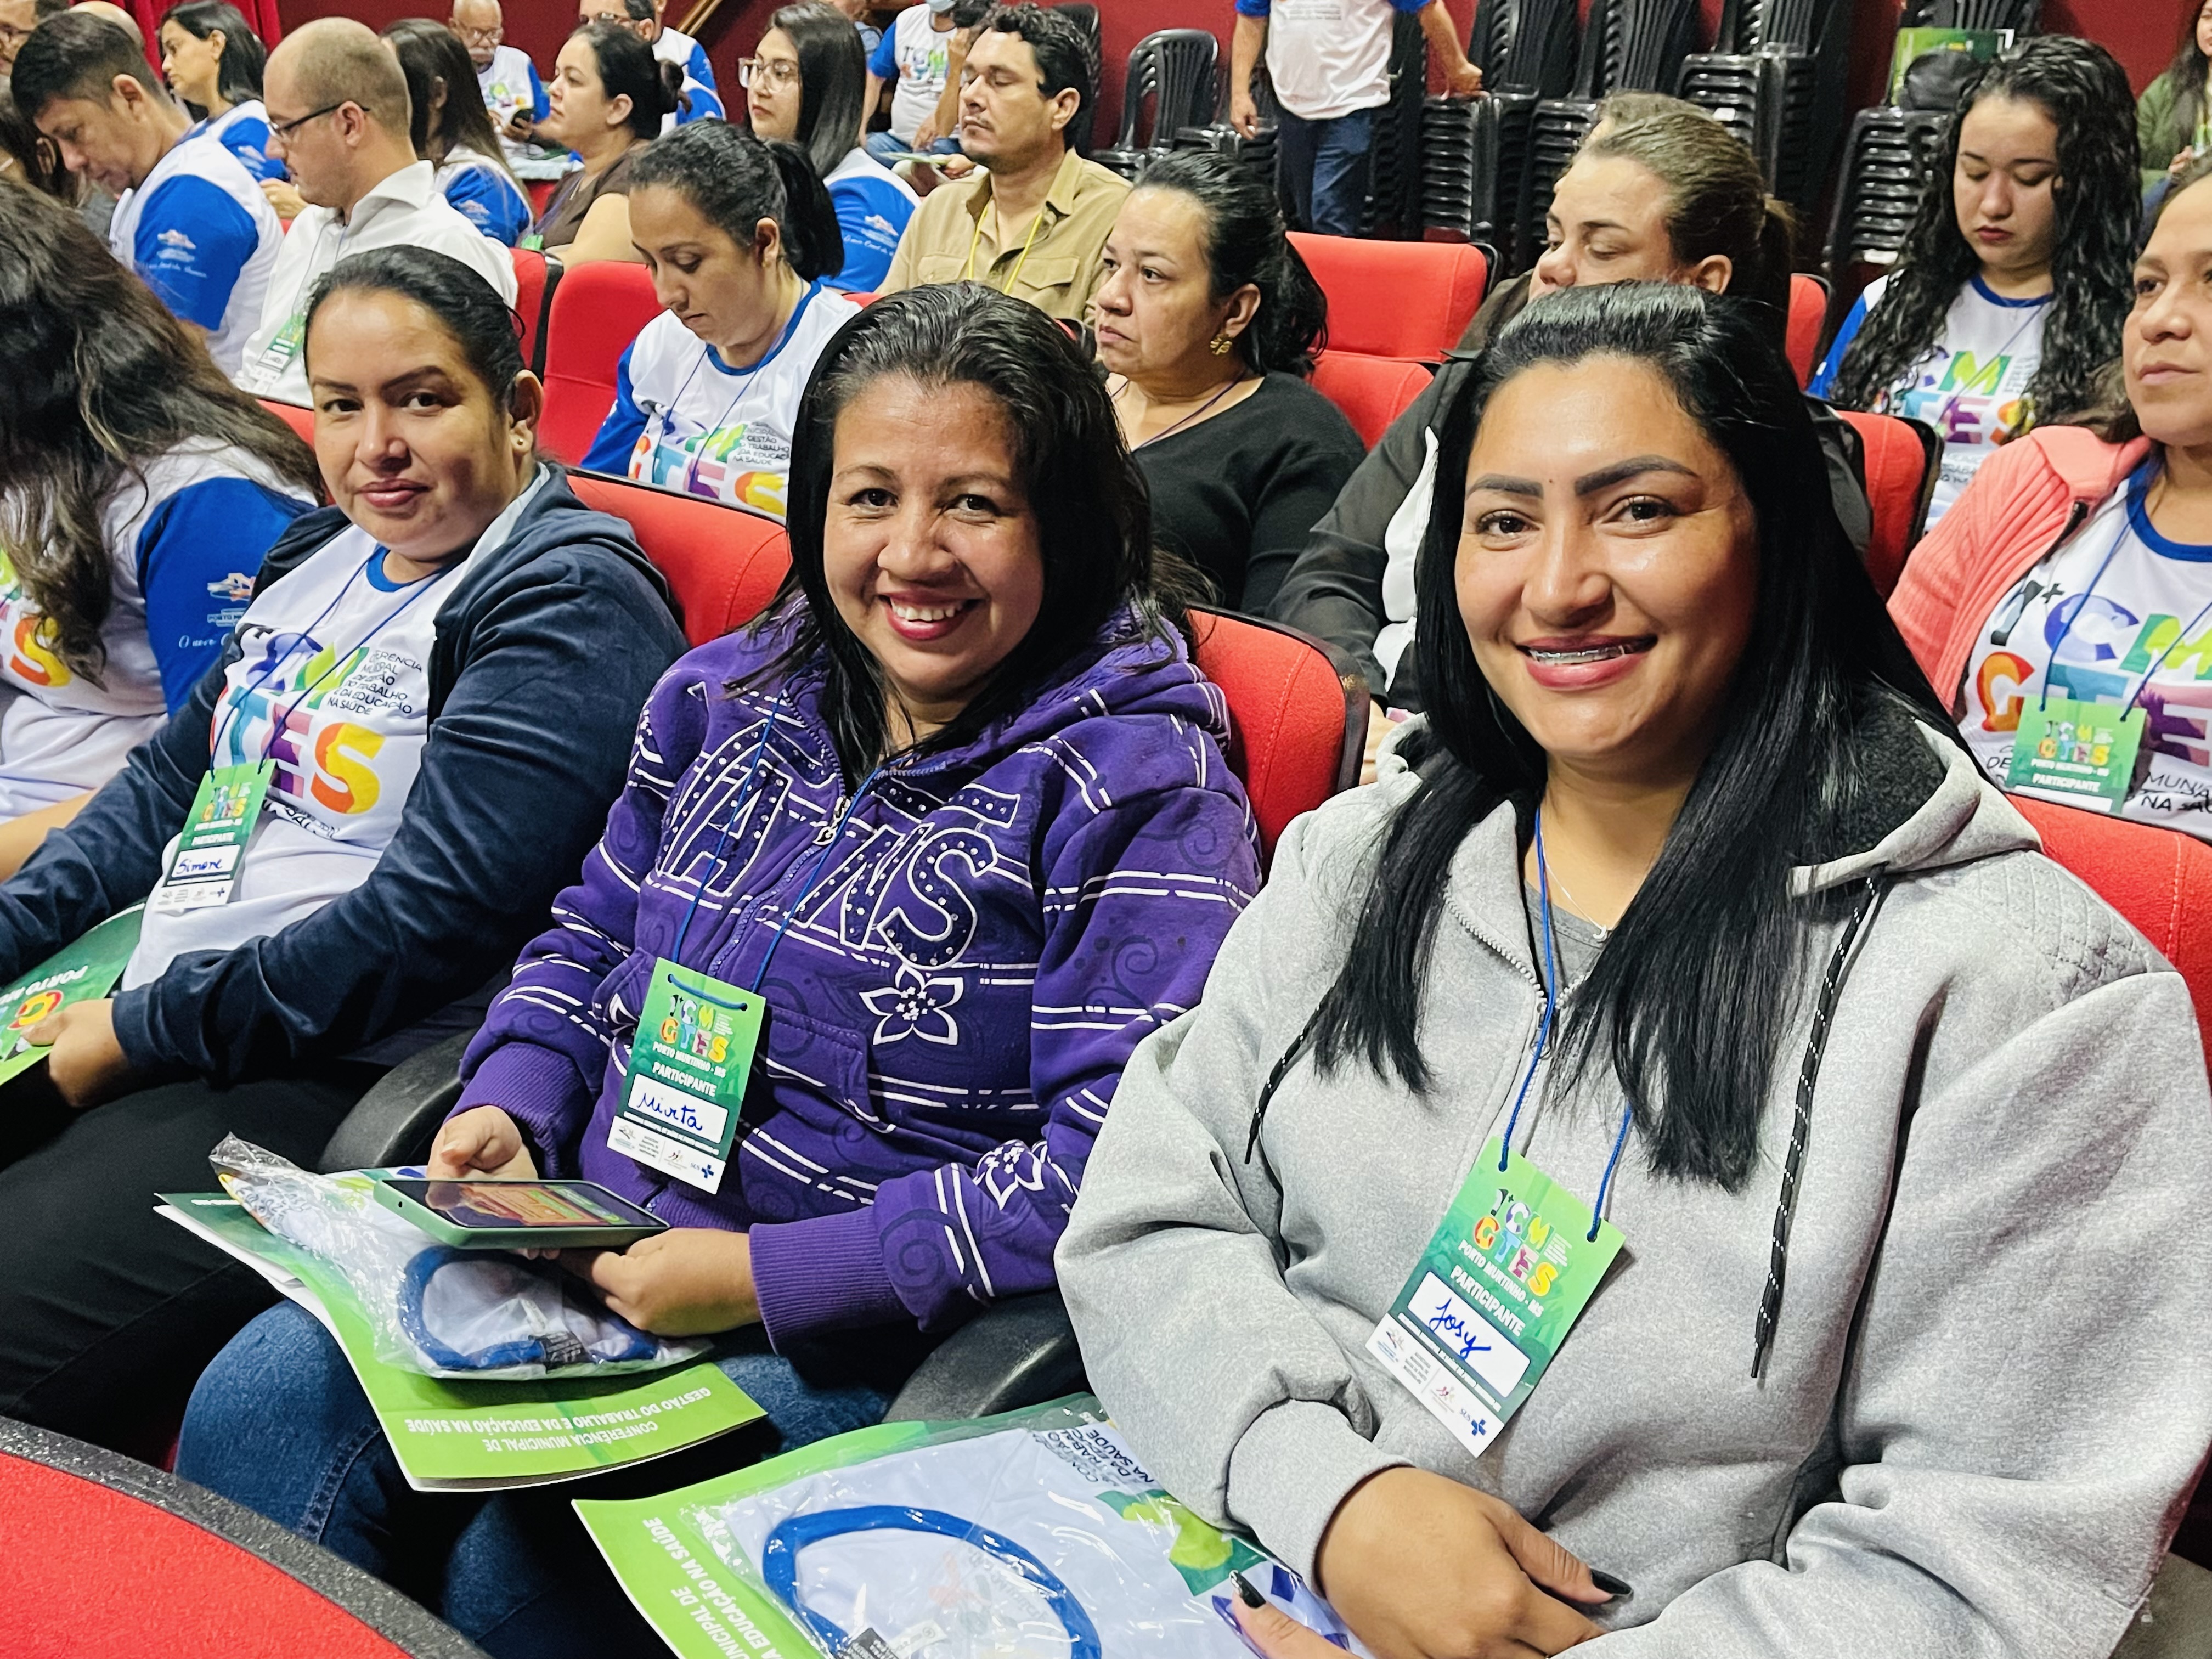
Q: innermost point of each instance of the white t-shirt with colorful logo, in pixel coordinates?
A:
(2120, 616)
(684, 420)
(184, 539)
(333, 685)
(509, 82)
(1970, 386)
(917, 57)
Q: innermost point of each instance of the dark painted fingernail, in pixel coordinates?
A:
(1609, 1584)
(1245, 1592)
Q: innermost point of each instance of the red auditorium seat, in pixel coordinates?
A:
(1808, 315)
(723, 562)
(597, 311)
(535, 278)
(301, 421)
(1372, 392)
(1409, 300)
(1297, 719)
(205, 1578)
(540, 192)
(1901, 457)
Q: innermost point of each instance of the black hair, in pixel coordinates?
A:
(237, 70)
(1694, 992)
(38, 158)
(1094, 518)
(78, 55)
(2097, 199)
(1065, 57)
(100, 379)
(2186, 74)
(429, 53)
(1242, 239)
(628, 68)
(736, 179)
(833, 78)
(485, 328)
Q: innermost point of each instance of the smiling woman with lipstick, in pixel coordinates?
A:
(382, 723)
(1644, 1132)
(2008, 297)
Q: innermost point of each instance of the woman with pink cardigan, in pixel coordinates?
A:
(2063, 607)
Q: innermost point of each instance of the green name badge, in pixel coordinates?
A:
(688, 1069)
(1504, 1277)
(209, 847)
(284, 344)
(2083, 753)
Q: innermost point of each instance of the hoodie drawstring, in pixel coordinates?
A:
(1786, 1209)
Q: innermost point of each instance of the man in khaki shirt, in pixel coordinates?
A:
(1032, 224)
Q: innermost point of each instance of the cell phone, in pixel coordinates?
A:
(473, 1214)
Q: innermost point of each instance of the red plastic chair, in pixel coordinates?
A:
(597, 311)
(1372, 392)
(540, 192)
(724, 564)
(1297, 716)
(1901, 458)
(301, 421)
(1410, 300)
(535, 278)
(1808, 315)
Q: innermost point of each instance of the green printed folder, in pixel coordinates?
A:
(695, 1602)
(82, 972)
(1981, 44)
(458, 1436)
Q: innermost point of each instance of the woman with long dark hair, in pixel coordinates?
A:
(739, 235)
(212, 59)
(804, 85)
(1689, 1009)
(139, 491)
(426, 693)
(2173, 117)
(451, 128)
(955, 805)
(606, 101)
(2008, 297)
(1208, 322)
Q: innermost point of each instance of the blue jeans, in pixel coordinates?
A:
(279, 1425)
(1322, 166)
(888, 150)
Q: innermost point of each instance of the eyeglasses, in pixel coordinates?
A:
(490, 37)
(11, 37)
(284, 129)
(775, 71)
(620, 19)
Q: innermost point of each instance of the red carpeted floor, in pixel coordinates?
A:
(88, 1572)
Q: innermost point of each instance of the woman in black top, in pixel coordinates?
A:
(1209, 320)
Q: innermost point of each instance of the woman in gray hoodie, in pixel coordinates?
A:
(1850, 1154)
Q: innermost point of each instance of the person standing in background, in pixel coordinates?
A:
(189, 220)
(1330, 67)
(514, 95)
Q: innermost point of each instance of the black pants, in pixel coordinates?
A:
(108, 1312)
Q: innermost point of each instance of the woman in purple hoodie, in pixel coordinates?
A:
(956, 811)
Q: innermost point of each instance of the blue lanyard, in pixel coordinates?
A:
(2066, 624)
(729, 825)
(278, 722)
(1943, 421)
(706, 352)
(1543, 1038)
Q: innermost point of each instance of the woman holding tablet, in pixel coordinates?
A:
(1692, 1034)
(383, 698)
(739, 235)
(955, 808)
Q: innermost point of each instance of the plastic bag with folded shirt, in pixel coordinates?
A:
(434, 1309)
(1046, 1542)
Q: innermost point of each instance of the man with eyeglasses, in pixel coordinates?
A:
(338, 115)
(17, 19)
(512, 94)
(702, 101)
(190, 219)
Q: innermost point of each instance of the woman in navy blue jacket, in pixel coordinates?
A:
(433, 688)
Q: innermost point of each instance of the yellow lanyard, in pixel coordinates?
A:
(967, 271)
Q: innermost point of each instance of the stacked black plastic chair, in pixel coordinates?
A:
(1257, 152)
(1475, 156)
(1888, 162)
(1392, 208)
(1777, 78)
(1084, 16)
(1171, 84)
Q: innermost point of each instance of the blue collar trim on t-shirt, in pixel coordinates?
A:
(1997, 299)
(783, 340)
(383, 583)
(2166, 547)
